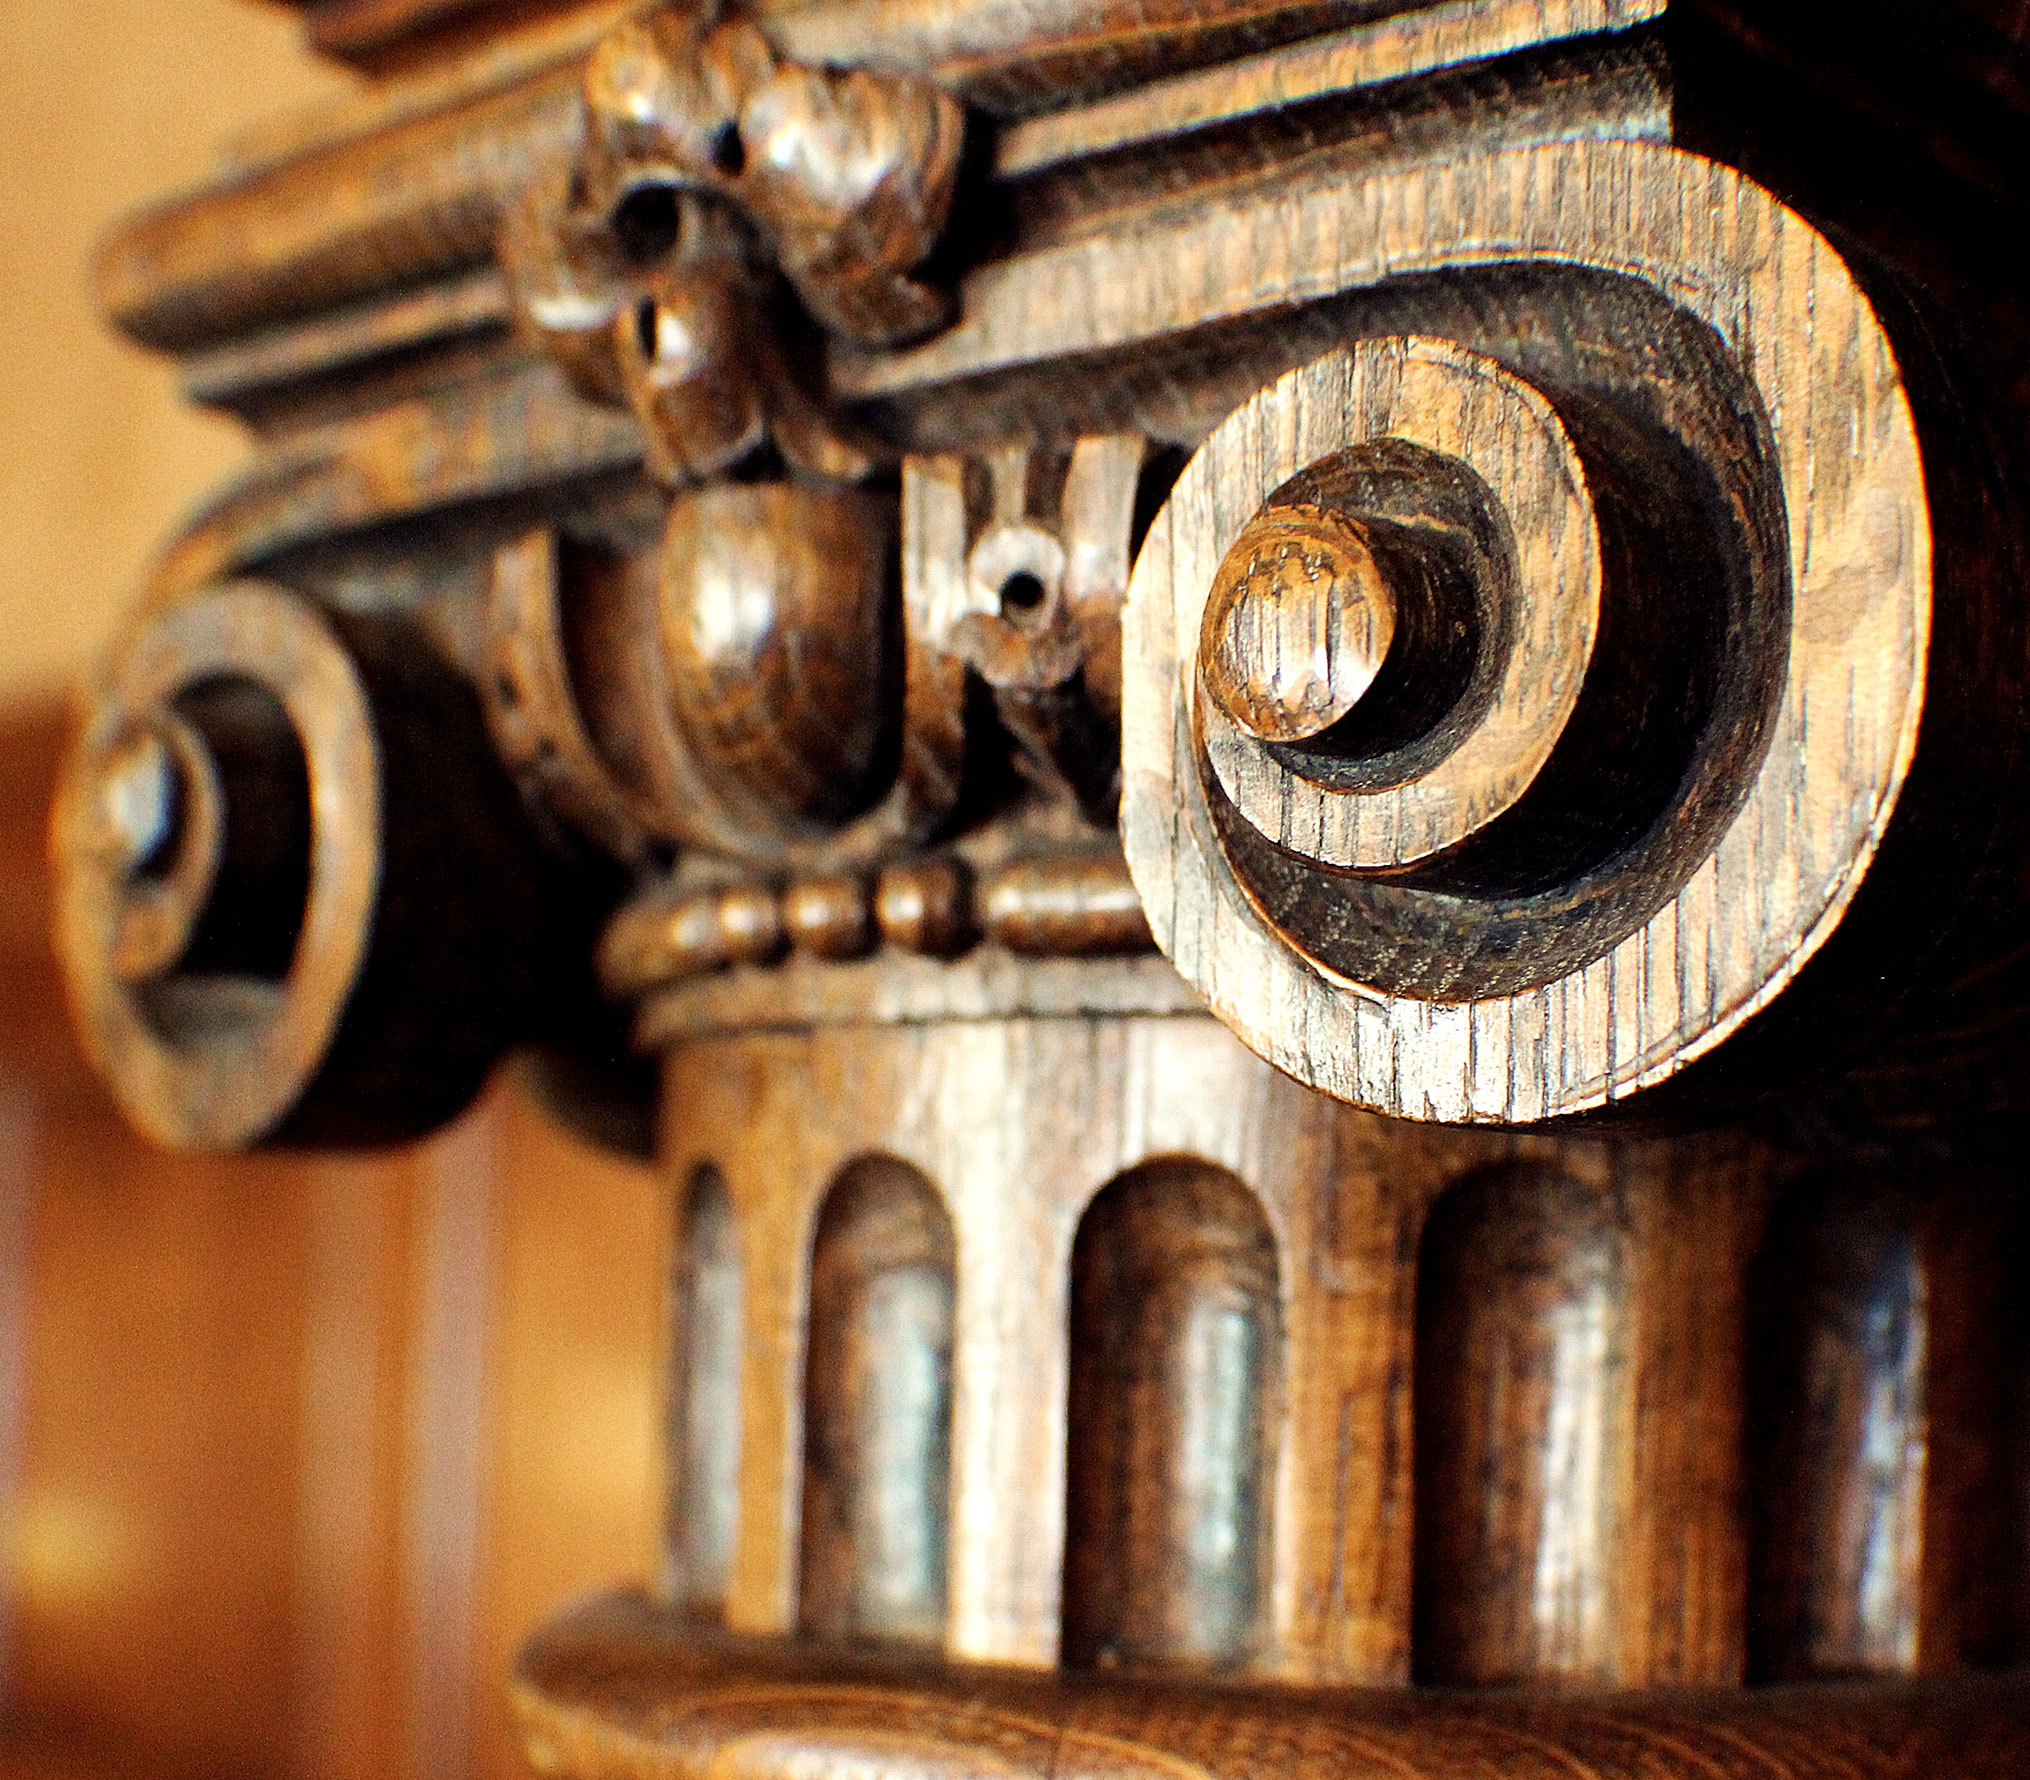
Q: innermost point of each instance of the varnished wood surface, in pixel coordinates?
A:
(317, 770)
(1886, 1433)
(181, 275)
(1283, 1389)
(1015, 1312)
(1655, 956)
(1580, 1442)
(874, 1547)
(1362, 55)
(1646, 1002)
(1175, 1384)
(1071, 231)
(1505, 1446)
(617, 1690)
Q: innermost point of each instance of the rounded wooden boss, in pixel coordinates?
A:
(1714, 943)
(1474, 417)
(224, 1077)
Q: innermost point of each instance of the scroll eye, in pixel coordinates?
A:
(1395, 643)
(1299, 624)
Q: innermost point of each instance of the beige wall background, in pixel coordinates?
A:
(293, 1450)
(106, 105)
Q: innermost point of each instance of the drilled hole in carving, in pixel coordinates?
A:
(728, 152)
(647, 223)
(1022, 596)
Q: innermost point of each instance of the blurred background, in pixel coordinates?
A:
(292, 1450)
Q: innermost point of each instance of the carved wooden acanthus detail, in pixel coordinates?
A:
(704, 166)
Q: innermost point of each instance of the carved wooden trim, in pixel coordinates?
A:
(895, 555)
(615, 1690)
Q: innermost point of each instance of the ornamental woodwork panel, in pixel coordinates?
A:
(1277, 746)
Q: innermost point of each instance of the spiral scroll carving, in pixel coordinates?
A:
(1591, 813)
(294, 893)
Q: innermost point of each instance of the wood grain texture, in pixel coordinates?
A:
(1035, 57)
(1096, 1477)
(1580, 1346)
(1580, 653)
(613, 1691)
(1886, 1414)
(183, 273)
(1639, 1004)
(316, 479)
(1487, 516)
(1018, 563)
(513, 426)
(779, 1118)
(1176, 1373)
(178, 276)
(1298, 625)
(1360, 56)
(532, 704)
(907, 987)
(738, 686)
(779, 614)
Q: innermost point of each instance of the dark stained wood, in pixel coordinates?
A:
(593, 1695)
(1454, 523)
(1065, 905)
(874, 1541)
(1176, 1372)
(298, 876)
(1299, 589)
(782, 665)
(1579, 1426)
(831, 917)
(1886, 1385)
(926, 907)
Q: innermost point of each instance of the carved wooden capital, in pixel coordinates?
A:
(1545, 544)
(1056, 605)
